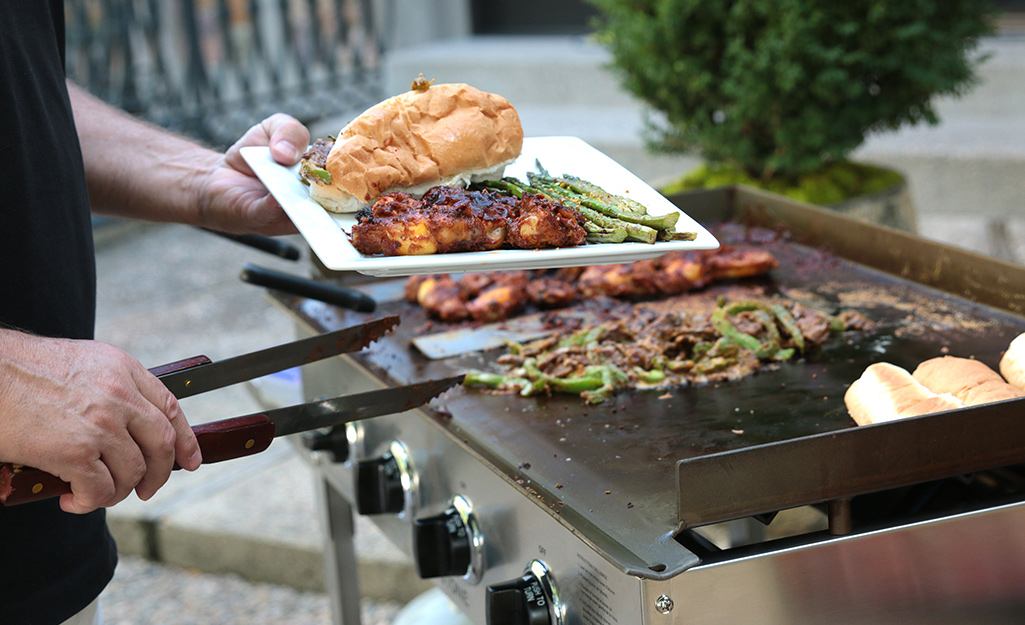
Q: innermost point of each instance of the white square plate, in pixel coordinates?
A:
(326, 232)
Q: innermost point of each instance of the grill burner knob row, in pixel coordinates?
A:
(387, 484)
(529, 600)
(449, 543)
(333, 441)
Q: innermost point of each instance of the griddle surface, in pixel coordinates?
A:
(615, 464)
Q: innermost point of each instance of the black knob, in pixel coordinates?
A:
(441, 545)
(522, 601)
(379, 486)
(333, 441)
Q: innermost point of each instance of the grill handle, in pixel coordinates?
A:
(305, 287)
(277, 247)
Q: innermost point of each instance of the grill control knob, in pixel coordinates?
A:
(449, 543)
(529, 600)
(333, 441)
(386, 485)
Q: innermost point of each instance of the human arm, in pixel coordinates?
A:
(138, 170)
(92, 415)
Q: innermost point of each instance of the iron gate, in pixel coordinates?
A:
(210, 69)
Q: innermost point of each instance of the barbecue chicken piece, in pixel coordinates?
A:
(731, 263)
(540, 223)
(497, 302)
(473, 283)
(671, 274)
(503, 298)
(631, 281)
(682, 272)
(457, 220)
(545, 292)
(675, 272)
(411, 290)
(442, 298)
(399, 224)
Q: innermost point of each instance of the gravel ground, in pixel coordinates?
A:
(146, 592)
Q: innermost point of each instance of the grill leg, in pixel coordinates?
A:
(341, 575)
(839, 511)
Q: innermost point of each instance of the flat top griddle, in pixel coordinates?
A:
(637, 469)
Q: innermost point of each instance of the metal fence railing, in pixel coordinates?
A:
(212, 68)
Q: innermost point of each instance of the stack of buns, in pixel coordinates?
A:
(446, 134)
(886, 392)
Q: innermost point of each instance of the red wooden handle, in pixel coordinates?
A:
(20, 484)
(234, 438)
(219, 441)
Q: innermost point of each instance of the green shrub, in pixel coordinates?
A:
(780, 88)
(829, 185)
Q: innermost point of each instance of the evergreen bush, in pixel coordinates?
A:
(783, 88)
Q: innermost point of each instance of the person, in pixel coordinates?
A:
(77, 408)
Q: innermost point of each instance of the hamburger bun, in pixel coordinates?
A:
(886, 392)
(1012, 365)
(971, 381)
(447, 134)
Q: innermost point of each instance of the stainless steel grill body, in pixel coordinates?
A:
(614, 523)
(962, 568)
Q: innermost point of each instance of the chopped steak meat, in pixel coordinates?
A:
(638, 347)
(314, 161)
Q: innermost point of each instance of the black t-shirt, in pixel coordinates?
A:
(52, 564)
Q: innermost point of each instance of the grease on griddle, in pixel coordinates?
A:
(921, 316)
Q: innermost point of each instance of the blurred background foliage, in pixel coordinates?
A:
(779, 94)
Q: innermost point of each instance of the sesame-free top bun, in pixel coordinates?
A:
(1012, 364)
(971, 381)
(448, 134)
(886, 392)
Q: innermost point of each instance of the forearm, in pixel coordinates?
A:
(138, 170)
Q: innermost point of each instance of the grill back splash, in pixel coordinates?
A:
(755, 501)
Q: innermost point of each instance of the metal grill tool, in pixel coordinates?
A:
(250, 434)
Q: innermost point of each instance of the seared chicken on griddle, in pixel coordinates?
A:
(493, 296)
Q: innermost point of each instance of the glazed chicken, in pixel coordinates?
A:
(450, 219)
(493, 296)
(489, 296)
(675, 272)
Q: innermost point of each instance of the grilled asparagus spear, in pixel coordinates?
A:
(609, 218)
